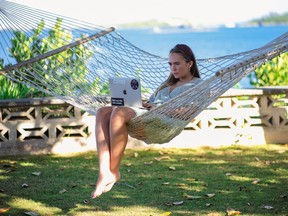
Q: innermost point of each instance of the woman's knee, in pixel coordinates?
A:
(104, 110)
(122, 113)
(103, 113)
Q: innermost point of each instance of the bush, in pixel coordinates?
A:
(273, 73)
(24, 48)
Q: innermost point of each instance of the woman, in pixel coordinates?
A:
(111, 129)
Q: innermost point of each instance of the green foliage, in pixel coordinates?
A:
(1, 63)
(12, 90)
(273, 73)
(68, 66)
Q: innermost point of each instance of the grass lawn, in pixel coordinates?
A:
(201, 181)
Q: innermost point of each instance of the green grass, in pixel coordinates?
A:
(149, 189)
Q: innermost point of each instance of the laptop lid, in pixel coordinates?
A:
(125, 91)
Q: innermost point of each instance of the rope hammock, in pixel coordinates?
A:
(76, 64)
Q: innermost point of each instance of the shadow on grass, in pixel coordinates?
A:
(252, 180)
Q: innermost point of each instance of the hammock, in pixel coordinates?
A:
(76, 66)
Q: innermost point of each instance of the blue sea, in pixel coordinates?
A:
(213, 42)
(207, 42)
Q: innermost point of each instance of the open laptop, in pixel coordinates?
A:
(125, 91)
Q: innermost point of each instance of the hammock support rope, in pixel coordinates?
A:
(76, 68)
(56, 51)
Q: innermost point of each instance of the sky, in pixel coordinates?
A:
(195, 13)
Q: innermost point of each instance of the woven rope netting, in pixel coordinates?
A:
(76, 64)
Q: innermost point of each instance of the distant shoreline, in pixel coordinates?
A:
(270, 20)
(143, 25)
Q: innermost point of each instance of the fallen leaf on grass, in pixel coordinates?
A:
(3, 210)
(282, 151)
(231, 212)
(172, 168)
(268, 162)
(62, 191)
(210, 195)
(128, 164)
(190, 197)
(166, 214)
(73, 185)
(214, 214)
(192, 180)
(31, 213)
(36, 173)
(25, 185)
(162, 158)
(178, 203)
(267, 207)
(256, 181)
(148, 163)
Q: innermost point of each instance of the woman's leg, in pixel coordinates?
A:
(111, 144)
(119, 136)
(118, 140)
(103, 149)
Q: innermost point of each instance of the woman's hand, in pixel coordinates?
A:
(148, 106)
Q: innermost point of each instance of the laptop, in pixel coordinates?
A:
(125, 91)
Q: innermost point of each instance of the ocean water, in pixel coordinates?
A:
(213, 42)
(204, 42)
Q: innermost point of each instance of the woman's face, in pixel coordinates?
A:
(179, 67)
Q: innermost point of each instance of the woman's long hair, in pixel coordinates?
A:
(188, 55)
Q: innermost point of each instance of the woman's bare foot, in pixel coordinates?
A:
(105, 183)
(109, 186)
